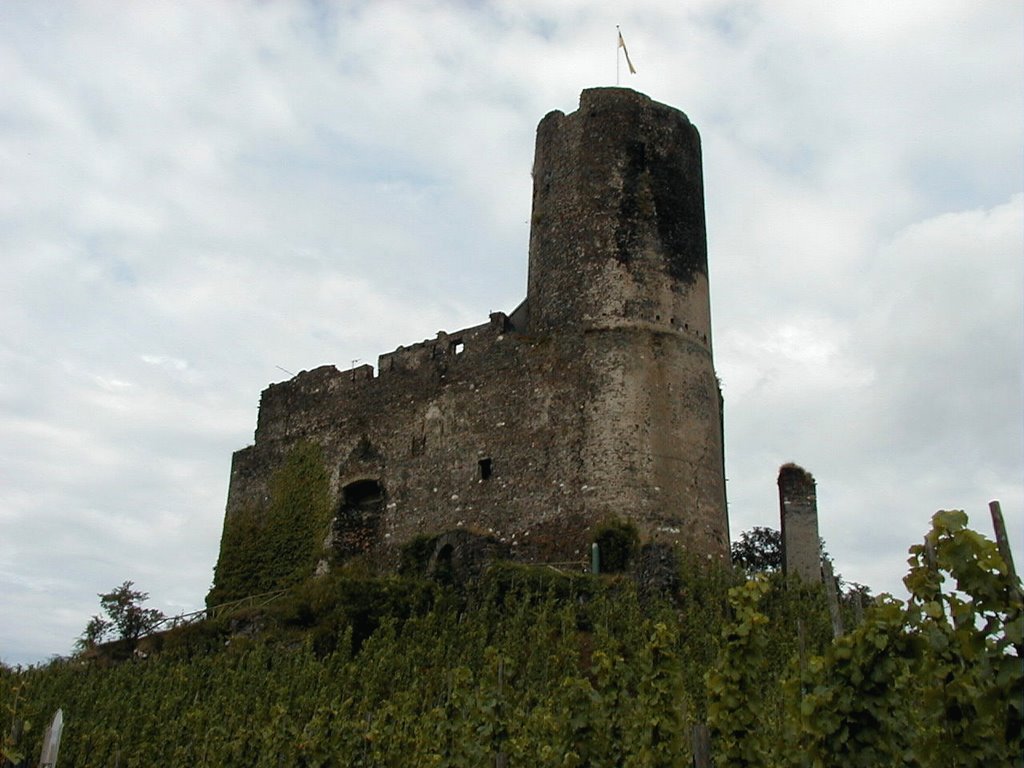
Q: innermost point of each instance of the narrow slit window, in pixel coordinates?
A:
(486, 469)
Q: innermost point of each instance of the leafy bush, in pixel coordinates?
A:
(414, 556)
(933, 682)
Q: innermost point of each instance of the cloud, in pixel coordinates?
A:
(198, 193)
(911, 405)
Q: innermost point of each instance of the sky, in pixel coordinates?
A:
(200, 197)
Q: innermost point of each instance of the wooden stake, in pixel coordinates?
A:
(833, 597)
(701, 741)
(1002, 540)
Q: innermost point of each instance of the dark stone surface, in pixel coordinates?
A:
(657, 571)
(461, 556)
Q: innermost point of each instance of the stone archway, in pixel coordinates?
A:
(357, 521)
(460, 556)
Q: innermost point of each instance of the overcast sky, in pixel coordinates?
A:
(197, 195)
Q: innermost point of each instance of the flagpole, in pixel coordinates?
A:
(625, 52)
(618, 34)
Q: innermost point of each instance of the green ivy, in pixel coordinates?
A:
(277, 546)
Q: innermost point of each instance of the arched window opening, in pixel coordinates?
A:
(357, 523)
(444, 570)
(362, 493)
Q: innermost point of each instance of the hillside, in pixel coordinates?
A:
(528, 666)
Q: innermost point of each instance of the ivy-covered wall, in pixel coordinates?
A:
(277, 546)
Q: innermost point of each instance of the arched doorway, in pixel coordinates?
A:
(357, 522)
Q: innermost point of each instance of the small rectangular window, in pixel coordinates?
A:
(458, 347)
(486, 469)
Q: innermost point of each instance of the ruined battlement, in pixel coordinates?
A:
(595, 398)
(289, 409)
(444, 348)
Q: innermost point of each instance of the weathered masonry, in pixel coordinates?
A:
(798, 513)
(596, 398)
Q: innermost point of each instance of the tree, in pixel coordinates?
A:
(759, 550)
(124, 615)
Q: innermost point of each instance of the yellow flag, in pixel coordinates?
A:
(622, 45)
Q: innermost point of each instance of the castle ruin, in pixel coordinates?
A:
(594, 399)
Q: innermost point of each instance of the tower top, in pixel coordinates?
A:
(625, 97)
(618, 214)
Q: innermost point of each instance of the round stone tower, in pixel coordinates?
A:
(618, 233)
(618, 261)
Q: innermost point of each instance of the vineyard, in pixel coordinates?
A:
(533, 668)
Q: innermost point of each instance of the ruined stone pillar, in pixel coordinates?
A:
(798, 508)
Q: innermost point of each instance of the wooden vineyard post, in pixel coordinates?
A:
(51, 741)
(1002, 540)
(833, 597)
(701, 741)
(501, 758)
